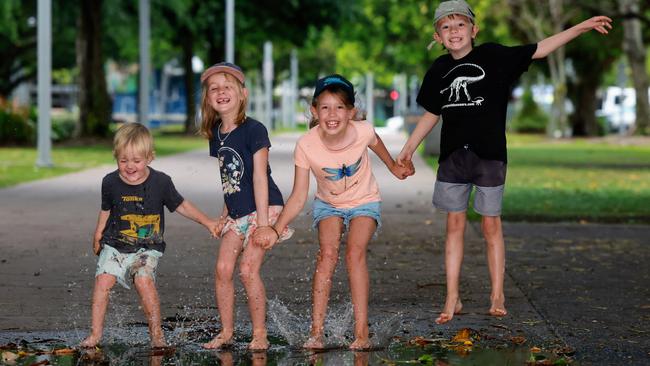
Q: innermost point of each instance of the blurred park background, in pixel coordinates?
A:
(578, 121)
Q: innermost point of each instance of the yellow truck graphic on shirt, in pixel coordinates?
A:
(141, 227)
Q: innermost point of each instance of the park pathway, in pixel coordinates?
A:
(582, 286)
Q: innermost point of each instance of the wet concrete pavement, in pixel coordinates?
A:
(579, 288)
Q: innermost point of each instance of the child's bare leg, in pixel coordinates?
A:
(103, 284)
(151, 307)
(329, 237)
(229, 250)
(453, 262)
(249, 273)
(496, 259)
(361, 230)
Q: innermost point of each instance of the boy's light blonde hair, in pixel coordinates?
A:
(133, 136)
(210, 118)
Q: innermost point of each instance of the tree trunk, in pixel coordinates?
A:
(636, 55)
(539, 19)
(583, 120)
(94, 102)
(188, 79)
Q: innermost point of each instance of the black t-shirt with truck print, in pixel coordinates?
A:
(137, 218)
(471, 94)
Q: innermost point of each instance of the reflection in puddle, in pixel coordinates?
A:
(41, 349)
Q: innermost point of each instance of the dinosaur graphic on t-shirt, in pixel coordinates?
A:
(461, 82)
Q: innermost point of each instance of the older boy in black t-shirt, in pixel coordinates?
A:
(129, 233)
(469, 88)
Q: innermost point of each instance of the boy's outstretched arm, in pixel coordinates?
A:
(601, 24)
(379, 148)
(101, 224)
(292, 208)
(190, 211)
(422, 129)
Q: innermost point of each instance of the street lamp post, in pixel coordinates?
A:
(230, 31)
(44, 43)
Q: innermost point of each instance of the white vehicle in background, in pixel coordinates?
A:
(618, 106)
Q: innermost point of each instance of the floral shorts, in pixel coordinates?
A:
(246, 225)
(141, 263)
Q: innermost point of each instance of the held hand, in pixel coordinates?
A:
(403, 157)
(97, 247)
(601, 24)
(404, 170)
(265, 237)
(410, 168)
(213, 228)
(216, 226)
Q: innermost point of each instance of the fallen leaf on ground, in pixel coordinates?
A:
(41, 363)
(64, 351)
(9, 357)
(518, 340)
(462, 336)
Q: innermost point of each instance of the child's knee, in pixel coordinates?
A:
(355, 256)
(105, 281)
(248, 272)
(491, 225)
(224, 271)
(329, 255)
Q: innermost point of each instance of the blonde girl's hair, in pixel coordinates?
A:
(133, 136)
(209, 117)
(344, 97)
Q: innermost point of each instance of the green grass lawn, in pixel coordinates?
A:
(17, 164)
(575, 180)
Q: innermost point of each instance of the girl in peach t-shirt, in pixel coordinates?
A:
(335, 149)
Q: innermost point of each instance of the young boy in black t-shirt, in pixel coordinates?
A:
(129, 233)
(469, 88)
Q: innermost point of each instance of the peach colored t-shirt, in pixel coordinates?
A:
(343, 177)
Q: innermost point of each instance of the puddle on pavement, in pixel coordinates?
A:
(40, 349)
(127, 344)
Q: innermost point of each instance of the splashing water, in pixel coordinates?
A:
(289, 325)
(295, 328)
(337, 323)
(384, 331)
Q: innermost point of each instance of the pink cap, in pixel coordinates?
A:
(228, 68)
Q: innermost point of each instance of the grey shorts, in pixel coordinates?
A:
(459, 173)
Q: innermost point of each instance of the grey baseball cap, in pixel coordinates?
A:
(453, 7)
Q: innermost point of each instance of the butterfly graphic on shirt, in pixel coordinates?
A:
(343, 172)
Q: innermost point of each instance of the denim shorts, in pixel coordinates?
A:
(323, 210)
(463, 171)
(123, 265)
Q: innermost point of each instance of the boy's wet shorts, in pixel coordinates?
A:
(246, 225)
(123, 265)
(461, 171)
(323, 210)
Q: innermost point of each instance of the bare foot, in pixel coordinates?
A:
(498, 307)
(158, 342)
(90, 341)
(259, 342)
(452, 307)
(360, 344)
(314, 342)
(221, 340)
